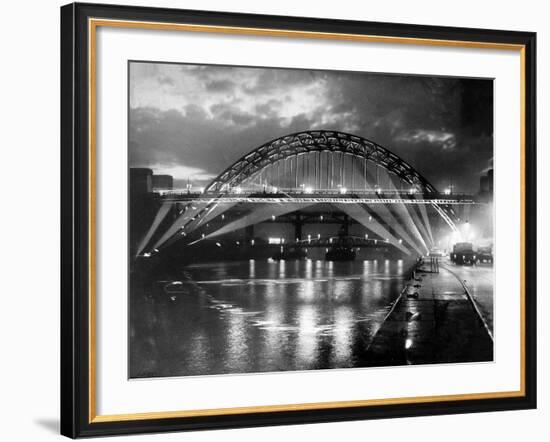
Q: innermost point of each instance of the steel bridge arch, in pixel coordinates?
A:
(305, 142)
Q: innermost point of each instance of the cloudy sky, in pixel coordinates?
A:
(195, 120)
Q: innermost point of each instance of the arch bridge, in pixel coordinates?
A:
(335, 171)
(318, 160)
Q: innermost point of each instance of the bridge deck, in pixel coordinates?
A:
(309, 200)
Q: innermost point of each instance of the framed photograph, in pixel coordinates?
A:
(279, 220)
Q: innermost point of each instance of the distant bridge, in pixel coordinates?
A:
(326, 242)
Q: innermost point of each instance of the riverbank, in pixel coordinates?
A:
(433, 321)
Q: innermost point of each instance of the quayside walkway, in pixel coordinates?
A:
(434, 320)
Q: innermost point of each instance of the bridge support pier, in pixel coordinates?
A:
(298, 223)
(248, 234)
(345, 225)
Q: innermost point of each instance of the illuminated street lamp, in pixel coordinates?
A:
(468, 231)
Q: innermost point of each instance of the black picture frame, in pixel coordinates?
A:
(75, 221)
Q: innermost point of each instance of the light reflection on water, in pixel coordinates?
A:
(258, 316)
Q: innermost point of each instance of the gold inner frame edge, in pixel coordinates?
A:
(93, 24)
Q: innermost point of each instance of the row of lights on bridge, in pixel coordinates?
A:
(309, 190)
(309, 239)
(341, 189)
(321, 218)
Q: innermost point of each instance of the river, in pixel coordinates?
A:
(260, 316)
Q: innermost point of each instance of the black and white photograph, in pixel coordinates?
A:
(292, 219)
(274, 221)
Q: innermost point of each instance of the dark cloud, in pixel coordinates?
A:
(220, 86)
(270, 80)
(268, 109)
(229, 113)
(164, 79)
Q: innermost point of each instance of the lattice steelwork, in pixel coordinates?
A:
(303, 143)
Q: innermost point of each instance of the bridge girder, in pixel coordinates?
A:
(301, 143)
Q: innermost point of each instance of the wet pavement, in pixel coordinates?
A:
(433, 321)
(480, 282)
